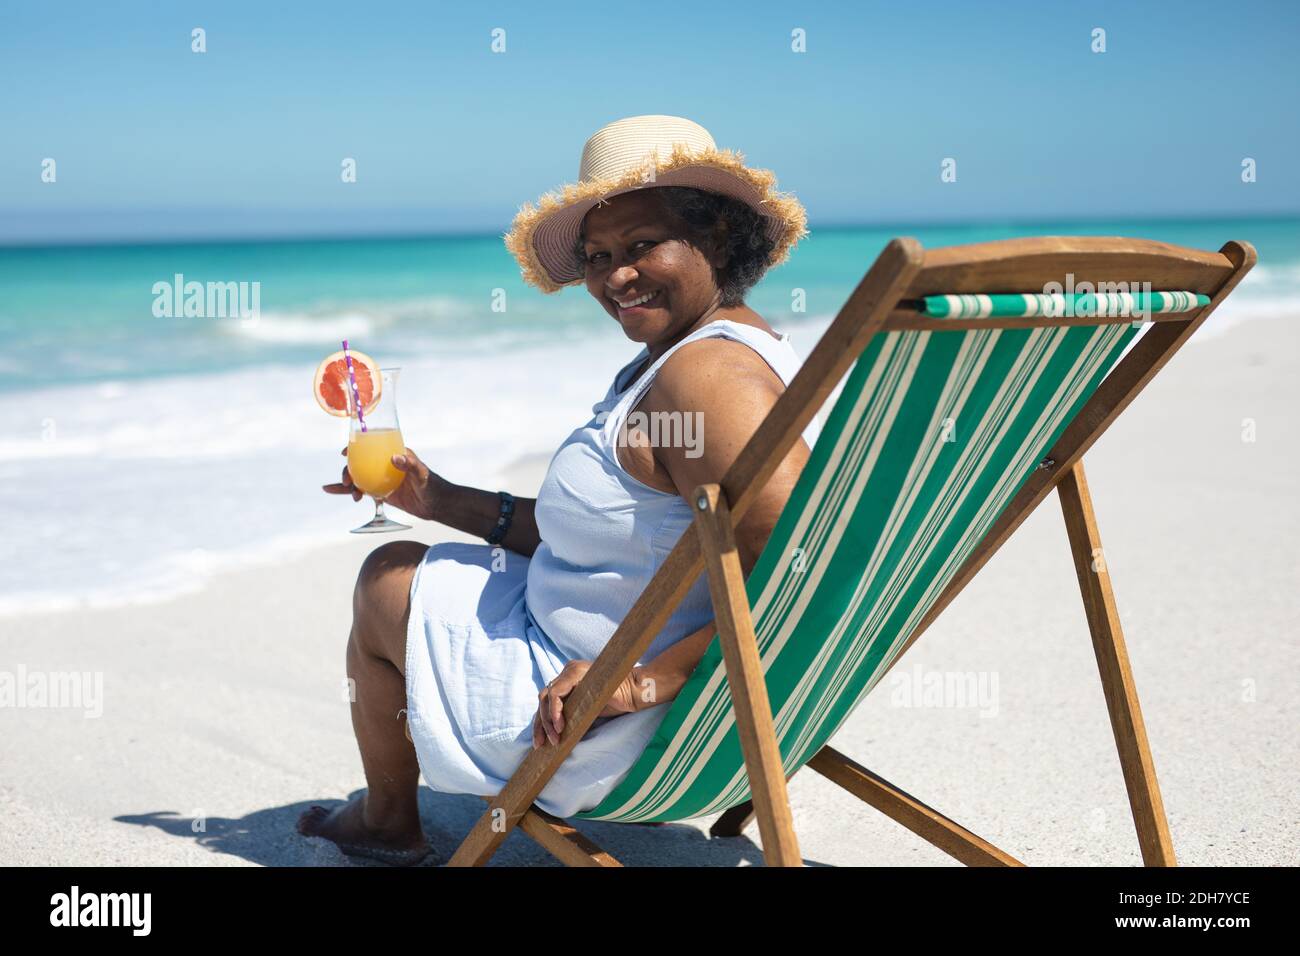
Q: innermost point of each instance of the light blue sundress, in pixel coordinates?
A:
(489, 628)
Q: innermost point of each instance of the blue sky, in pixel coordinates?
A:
(153, 141)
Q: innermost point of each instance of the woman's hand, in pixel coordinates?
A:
(415, 495)
(549, 722)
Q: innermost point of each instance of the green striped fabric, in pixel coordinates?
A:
(931, 437)
(1029, 304)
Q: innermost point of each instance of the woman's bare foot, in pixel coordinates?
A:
(346, 827)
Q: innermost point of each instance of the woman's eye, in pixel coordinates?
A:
(639, 246)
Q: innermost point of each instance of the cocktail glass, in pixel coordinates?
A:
(374, 437)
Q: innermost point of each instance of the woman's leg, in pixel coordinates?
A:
(385, 821)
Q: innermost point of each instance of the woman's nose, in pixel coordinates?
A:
(621, 277)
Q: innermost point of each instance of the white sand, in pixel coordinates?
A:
(223, 712)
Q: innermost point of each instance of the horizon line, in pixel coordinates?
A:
(421, 235)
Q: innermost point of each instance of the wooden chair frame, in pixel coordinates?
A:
(902, 274)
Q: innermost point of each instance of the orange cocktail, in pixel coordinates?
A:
(370, 464)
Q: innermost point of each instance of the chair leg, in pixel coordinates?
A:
(1116, 674)
(745, 679)
(733, 822)
(900, 806)
(926, 822)
(564, 841)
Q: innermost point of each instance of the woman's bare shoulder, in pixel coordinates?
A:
(713, 370)
(747, 316)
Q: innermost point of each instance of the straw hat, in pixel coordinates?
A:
(642, 152)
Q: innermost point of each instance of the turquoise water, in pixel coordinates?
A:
(85, 314)
(144, 452)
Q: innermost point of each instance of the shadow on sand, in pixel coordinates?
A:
(270, 838)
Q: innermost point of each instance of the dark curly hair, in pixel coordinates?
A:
(747, 249)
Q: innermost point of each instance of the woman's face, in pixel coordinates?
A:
(635, 247)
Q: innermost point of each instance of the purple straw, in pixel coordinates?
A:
(352, 380)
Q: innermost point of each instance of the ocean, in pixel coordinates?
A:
(141, 451)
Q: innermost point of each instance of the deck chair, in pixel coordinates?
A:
(961, 414)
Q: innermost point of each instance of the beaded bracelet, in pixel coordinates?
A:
(503, 520)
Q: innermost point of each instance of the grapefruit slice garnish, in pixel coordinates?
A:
(331, 386)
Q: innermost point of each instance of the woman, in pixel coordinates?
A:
(478, 646)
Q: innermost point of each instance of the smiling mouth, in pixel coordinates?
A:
(638, 302)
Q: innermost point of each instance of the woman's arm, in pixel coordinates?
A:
(662, 679)
(425, 494)
(657, 682)
(731, 390)
(475, 511)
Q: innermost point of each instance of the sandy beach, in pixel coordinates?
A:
(224, 714)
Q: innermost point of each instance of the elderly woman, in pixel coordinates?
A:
(478, 646)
